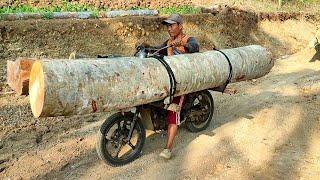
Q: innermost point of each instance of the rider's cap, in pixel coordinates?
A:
(174, 18)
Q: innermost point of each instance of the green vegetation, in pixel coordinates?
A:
(95, 14)
(64, 7)
(47, 12)
(180, 10)
(47, 15)
(260, 5)
(69, 7)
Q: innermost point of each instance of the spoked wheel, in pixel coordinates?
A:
(113, 145)
(200, 111)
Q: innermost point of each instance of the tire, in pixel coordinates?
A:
(194, 126)
(103, 141)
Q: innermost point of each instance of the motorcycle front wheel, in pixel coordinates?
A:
(113, 145)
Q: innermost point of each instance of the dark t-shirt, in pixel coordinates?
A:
(192, 46)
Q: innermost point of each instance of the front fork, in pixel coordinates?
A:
(133, 123)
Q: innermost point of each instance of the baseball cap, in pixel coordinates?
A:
(174, 18)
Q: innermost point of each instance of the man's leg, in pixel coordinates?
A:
(173, 122)
(172, 132)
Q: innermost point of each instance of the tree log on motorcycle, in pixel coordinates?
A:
(63, 87)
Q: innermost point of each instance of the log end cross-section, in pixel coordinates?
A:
(36, 89)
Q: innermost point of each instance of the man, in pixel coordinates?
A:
(178, 43)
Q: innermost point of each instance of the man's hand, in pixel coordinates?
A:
(174, 107)
(178, 42)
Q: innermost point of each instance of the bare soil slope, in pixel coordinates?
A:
(268, 129)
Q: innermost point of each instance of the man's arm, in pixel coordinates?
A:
(163, 51)
(154, 48)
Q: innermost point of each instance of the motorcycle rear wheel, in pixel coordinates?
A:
(202, 102)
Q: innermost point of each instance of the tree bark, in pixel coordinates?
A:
(18, 73)
(63, 87)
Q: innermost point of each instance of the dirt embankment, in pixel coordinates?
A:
(276, 116)
(228, 28)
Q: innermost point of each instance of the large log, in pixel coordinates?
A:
(64, 87)
(18, 73)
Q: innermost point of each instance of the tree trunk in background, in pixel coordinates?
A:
(64, 87)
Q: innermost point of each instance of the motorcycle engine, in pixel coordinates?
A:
(159, 120)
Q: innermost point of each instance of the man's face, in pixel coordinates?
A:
(174, 29)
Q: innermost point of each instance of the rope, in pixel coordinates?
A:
(230, 71)
(173, 82)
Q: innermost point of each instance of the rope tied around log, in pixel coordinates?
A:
(223, 87)
(173, 82)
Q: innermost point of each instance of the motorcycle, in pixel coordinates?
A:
(122, 135)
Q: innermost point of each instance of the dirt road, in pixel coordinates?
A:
(268, 129)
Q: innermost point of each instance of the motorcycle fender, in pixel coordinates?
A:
(146, 119)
